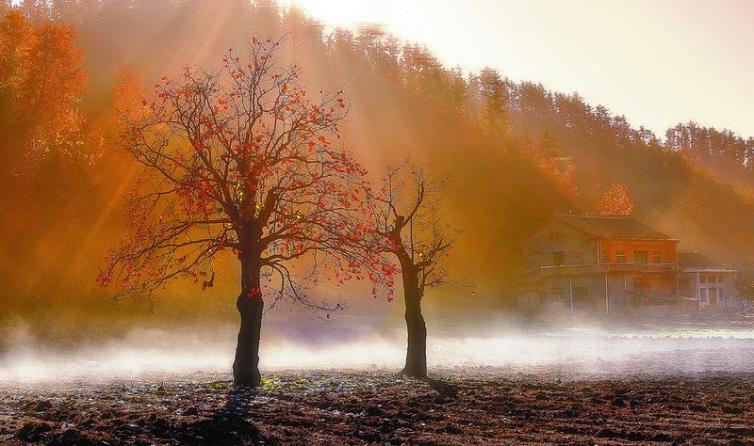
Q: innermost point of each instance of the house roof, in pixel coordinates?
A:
(697, 261)
(616, 227)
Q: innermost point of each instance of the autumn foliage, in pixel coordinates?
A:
(41, 83)
(231, 158)
(46, 156)
(616, 201)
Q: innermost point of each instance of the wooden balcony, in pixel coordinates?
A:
(581, 270)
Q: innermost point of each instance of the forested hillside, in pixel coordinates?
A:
(513, 152)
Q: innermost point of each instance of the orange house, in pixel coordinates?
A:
(612, 264)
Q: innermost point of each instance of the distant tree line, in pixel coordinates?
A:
(514, 151)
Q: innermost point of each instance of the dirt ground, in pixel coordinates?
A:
(460, 407)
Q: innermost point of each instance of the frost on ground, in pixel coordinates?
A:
(682, 386)
(461, 407)
(579, 350)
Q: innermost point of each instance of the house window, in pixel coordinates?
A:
(558, 258)
(656, 257)
(702, 279)
(640, 256)
(620, 257)
(604, 257)
(713, 296)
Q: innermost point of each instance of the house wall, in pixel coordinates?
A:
(659, 283)
(540, 248)
(588, 292)
(622, 298)
(724, 282)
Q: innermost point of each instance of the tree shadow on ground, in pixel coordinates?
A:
(228, 426)
(444, 388)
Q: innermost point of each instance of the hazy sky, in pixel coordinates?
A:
(656, 61)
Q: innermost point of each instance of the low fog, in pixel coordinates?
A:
(494, 346)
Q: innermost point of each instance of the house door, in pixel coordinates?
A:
(713, 296)
(581, 298)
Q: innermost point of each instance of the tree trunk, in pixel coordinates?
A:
(416, 353)
(250, 305)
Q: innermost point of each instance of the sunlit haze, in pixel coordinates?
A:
(658, 62)
(567, 352)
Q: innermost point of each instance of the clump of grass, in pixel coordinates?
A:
(217, 385)
(275, 384)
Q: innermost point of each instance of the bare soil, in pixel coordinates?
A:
(459, 407)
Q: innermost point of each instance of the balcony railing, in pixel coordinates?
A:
(574, 270)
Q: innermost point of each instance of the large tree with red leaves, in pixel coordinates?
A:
(243, 160)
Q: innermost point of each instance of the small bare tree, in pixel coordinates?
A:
(409, 225)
